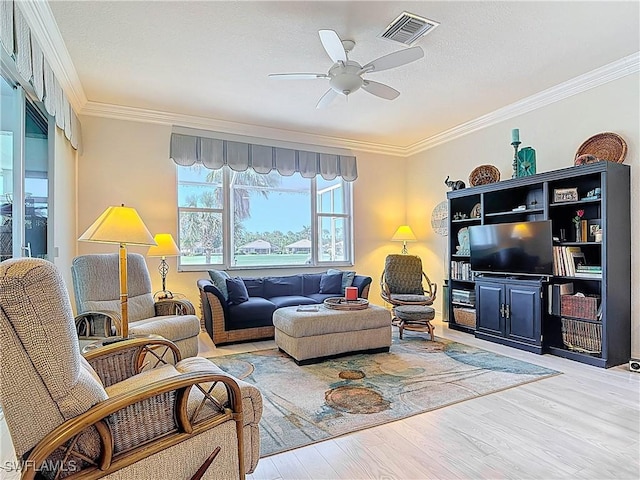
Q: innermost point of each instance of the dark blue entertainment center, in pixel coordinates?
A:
(504, 280)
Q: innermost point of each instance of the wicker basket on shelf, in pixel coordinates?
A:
(582, 337)
(465, 316)
(603, 146)
(483, 175)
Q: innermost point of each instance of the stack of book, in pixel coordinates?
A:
(589, 271)
(461, 271)
(571, 262)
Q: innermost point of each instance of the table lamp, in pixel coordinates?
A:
(404, 234)
(166, 247)
(121, 225)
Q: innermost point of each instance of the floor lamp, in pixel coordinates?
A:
(166, 247)
(404, 234)
(121, 225)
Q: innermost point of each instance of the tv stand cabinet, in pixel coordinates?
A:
(527, 320)
(509, 311)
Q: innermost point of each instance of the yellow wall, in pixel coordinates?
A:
(128, 162)
(555, 131)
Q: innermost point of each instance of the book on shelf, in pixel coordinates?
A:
(589, 268)
(584, 229)
(595, 275)
(556, 290)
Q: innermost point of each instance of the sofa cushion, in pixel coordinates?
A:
(292, 300)
(219, 280)
(255, 286)
(310, 283)
(237, 291)
(347, 276)
(320, 297)
(331, 283)
(281, 286)
(255, 312)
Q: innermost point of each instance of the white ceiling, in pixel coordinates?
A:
(211, 59)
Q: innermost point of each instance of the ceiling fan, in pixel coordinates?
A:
(346, 76)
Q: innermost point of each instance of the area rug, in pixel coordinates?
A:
(308, 404)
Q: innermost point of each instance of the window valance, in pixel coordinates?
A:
(213, 153)
(32, 66)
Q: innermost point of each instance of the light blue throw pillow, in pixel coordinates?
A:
(347, 276)
(219, 280)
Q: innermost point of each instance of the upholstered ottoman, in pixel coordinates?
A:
(415, 317)
(312, 336)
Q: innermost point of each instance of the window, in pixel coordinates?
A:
(24, 176)
(231, 219)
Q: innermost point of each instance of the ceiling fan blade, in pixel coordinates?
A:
(333, 45)
(395, 59)
(380, 90)
(297, 76)
(327, 98)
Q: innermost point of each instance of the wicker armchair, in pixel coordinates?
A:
(96, 285)
(121, 411)
(401, 282)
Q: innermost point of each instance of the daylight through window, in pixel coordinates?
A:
(230, 219)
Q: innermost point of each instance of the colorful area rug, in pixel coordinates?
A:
(308, 404)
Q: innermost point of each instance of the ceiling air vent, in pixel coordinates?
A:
(408, 28)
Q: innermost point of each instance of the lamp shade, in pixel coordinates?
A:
(166, 247)
(119, 225)
(404, 234)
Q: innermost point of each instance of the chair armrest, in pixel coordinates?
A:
(172, 306)
(432, 288)
(117, 361)
(163, 402)
(110, 320)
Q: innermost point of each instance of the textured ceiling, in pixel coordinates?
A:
(211, 59)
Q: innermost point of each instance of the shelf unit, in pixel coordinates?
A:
(502, 202)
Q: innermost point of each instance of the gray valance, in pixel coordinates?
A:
(32, 66)
(213, 153)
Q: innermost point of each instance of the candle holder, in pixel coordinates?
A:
(515, 158)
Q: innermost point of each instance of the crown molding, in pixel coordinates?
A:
(43, 25)
(135, 114)
(613, 71)
(625, 66)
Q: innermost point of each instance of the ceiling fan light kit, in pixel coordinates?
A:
(346, 76)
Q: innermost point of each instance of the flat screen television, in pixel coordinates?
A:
(523, 248)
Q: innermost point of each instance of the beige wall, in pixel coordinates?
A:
(64, 201)
(128, 162)
(555, 131)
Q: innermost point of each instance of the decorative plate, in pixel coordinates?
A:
(604, 146)
(440, 218)
(483, 175)
(341, 303)
(475, 211)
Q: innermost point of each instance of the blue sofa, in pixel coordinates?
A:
(228, 322)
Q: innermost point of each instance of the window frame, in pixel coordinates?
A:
(227, 240)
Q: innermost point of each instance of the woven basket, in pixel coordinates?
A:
(465, 316)
(483, 175)
(582, 337)
(604, 146)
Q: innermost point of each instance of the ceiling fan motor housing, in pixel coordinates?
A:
(345, 78)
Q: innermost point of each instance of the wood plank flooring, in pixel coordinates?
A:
(583, 424)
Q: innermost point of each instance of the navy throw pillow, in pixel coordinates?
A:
(237, 291)
(331, 283)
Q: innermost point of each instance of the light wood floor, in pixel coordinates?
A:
(584, 424)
